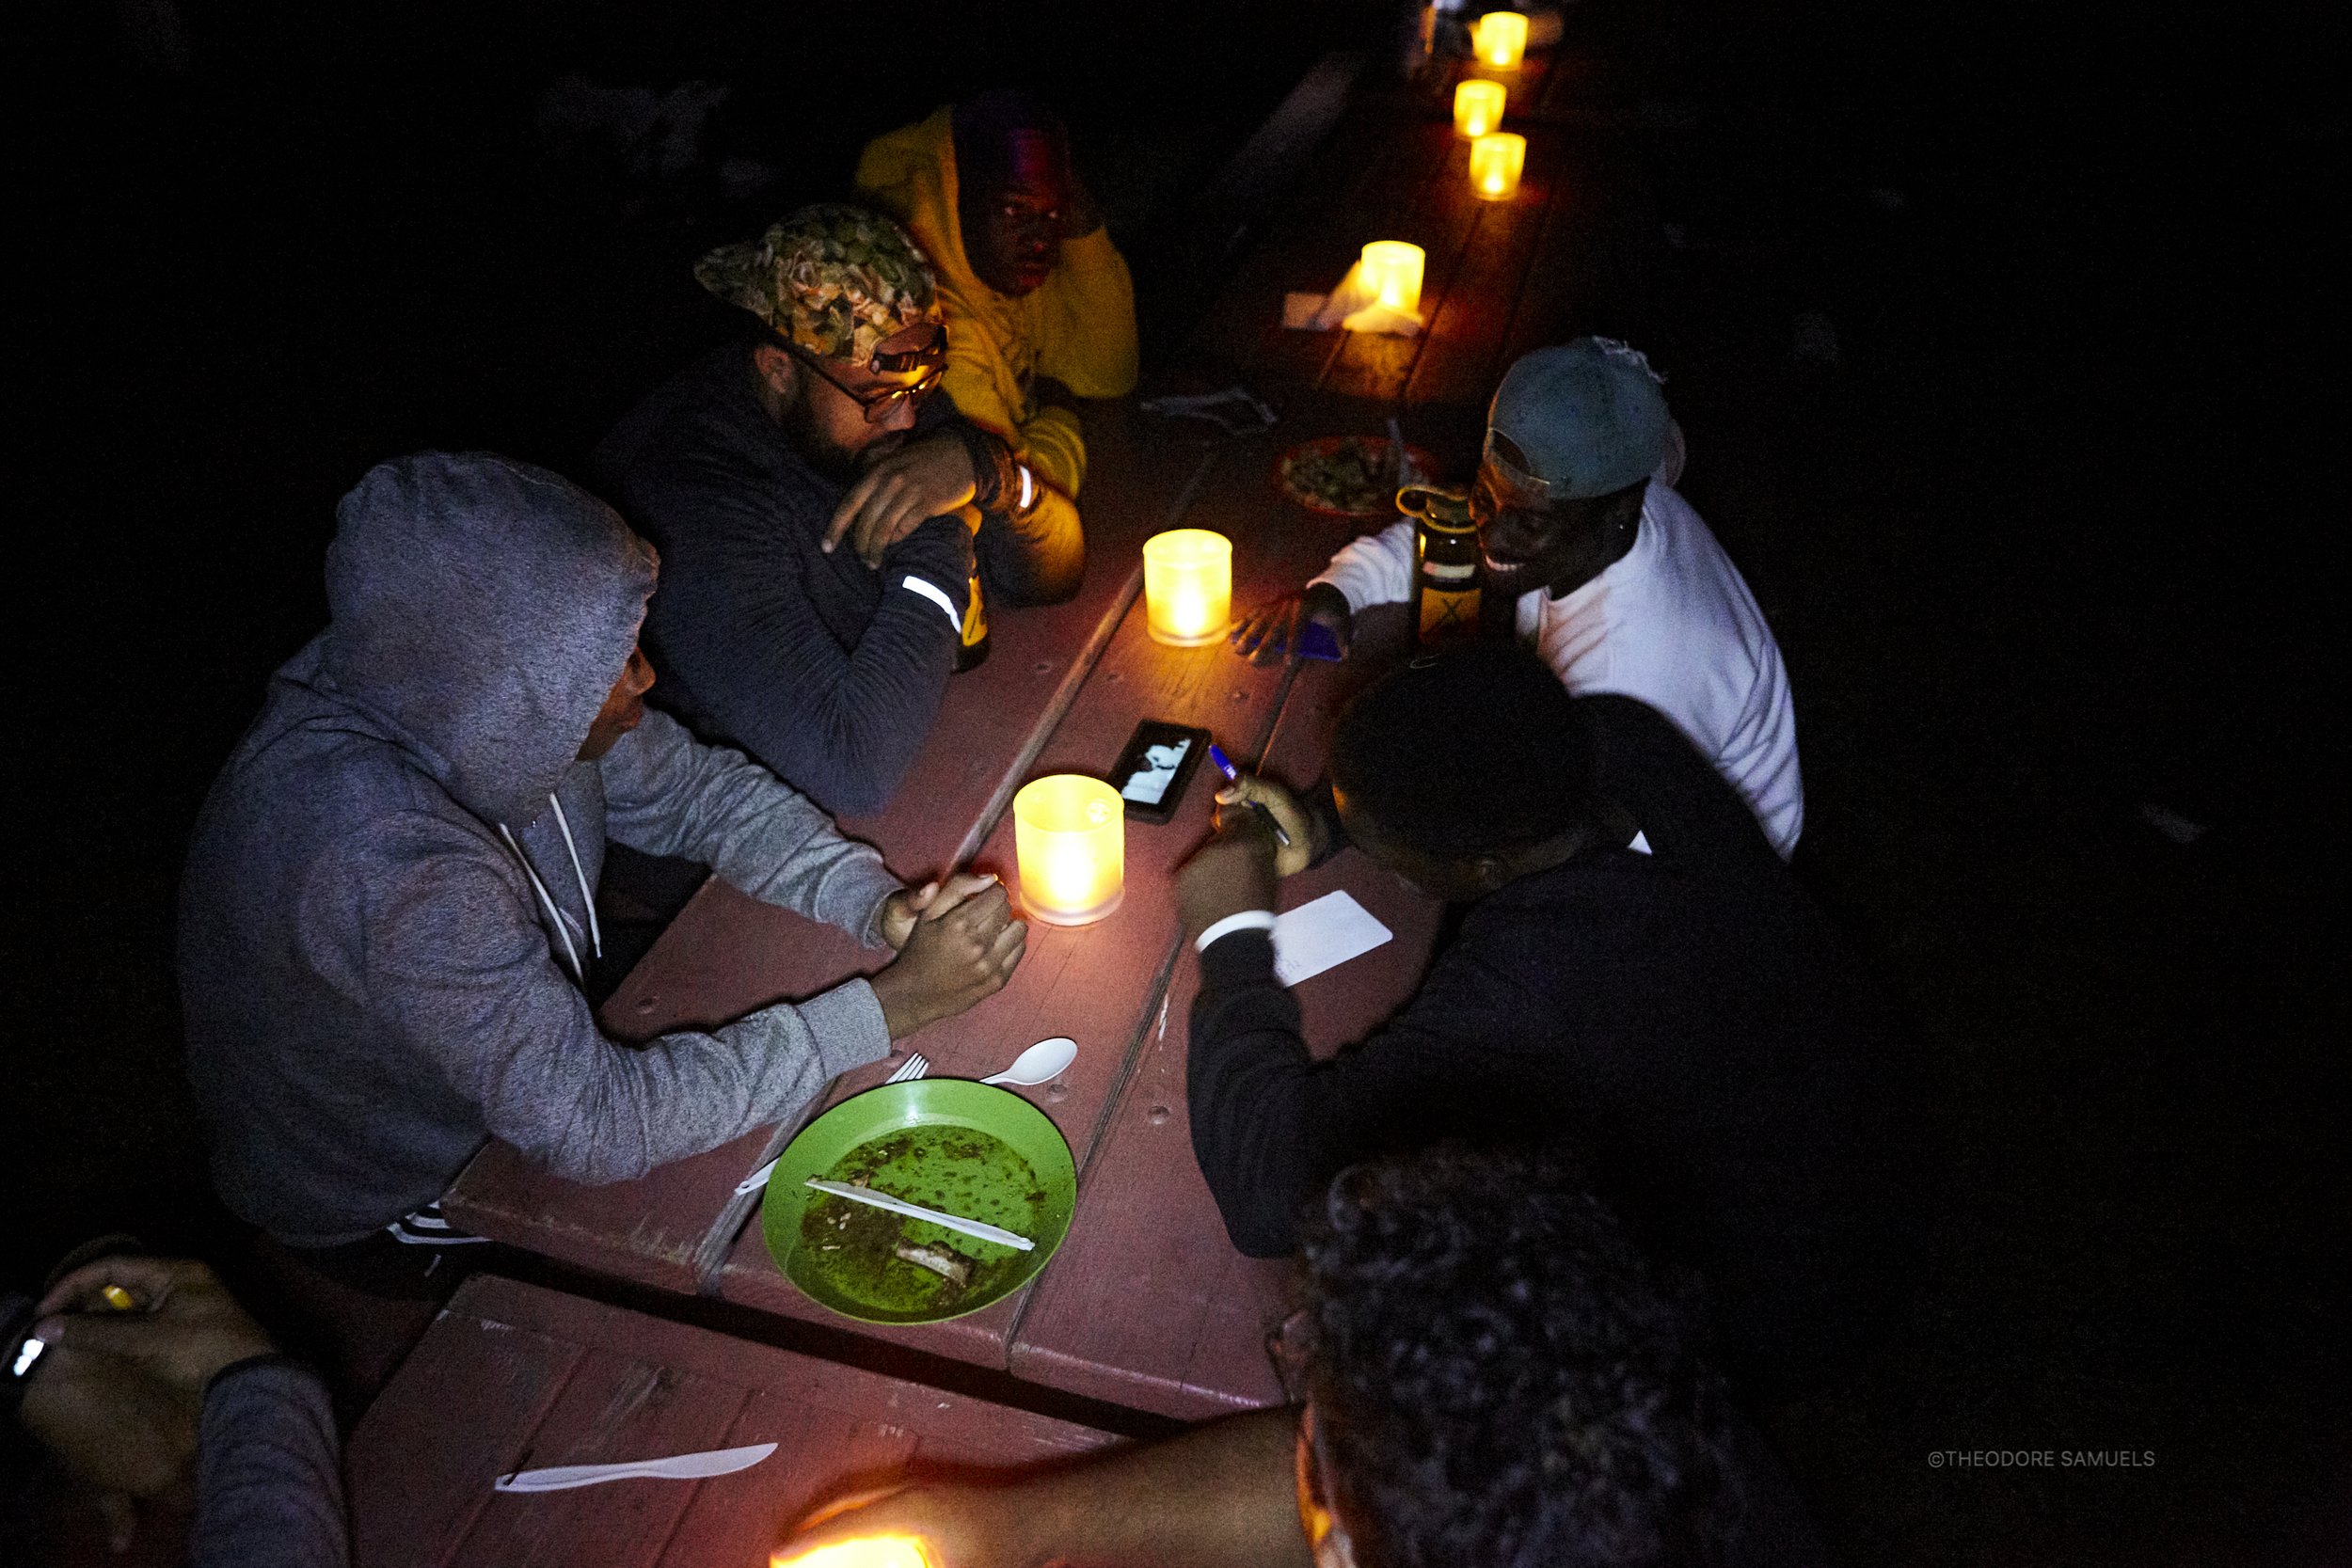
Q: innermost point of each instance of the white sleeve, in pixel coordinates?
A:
(1375, 569)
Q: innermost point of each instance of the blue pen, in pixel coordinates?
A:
(1232, 775)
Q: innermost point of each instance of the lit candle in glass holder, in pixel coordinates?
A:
(879, 1551)
(1068, 839)
(1501, 39)
(1188, 586)
(1391, 270)
(1495, 164)
(1478, 108)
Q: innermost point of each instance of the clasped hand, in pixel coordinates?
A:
(958, 944)
(922, 480)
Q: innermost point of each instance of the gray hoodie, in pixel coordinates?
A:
(387, 902)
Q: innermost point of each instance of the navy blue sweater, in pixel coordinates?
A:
(827, 671)
(1687, 1021)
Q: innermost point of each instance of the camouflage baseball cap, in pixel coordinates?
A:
(834, 279)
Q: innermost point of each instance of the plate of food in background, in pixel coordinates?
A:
(1350, 476)
(946, 1144)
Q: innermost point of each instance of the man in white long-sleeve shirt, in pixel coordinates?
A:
(1612, 575)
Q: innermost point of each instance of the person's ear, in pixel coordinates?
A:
(780, 370)
(1488, 872)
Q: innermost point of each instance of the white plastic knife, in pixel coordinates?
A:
(985, 1231)
(684, 1467)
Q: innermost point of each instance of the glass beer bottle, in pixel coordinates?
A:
(973, 650)
(1446, 566)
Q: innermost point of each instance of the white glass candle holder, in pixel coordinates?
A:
(1068, 837)
(1391, 269)
(1478, 108)
(1494, 164)
(1501, 39)
(1188, 586)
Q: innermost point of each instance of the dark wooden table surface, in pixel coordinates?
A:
(512, 1375)
(1147, 1303)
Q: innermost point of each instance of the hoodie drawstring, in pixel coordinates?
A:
(571, 954)
(587, 899)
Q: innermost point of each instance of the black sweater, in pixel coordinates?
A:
(827, 671)
(1685, 1020)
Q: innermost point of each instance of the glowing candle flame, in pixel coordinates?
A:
(1500, 38)
(1495, 164)
(1188, 586)
(881, 1551)
(1478, 108)
(1391, 269)
(1068, 838)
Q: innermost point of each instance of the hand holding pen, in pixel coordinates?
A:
(1281, 812)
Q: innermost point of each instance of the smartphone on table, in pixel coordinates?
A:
(1159, 763)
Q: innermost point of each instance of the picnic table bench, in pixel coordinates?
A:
(512, 1376)
(1147, 1303)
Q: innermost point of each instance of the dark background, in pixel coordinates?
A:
(2046, 524)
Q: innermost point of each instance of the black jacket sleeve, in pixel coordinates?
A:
(1271, 1126)
(735, 618)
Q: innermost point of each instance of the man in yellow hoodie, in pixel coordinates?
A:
(1041, 310)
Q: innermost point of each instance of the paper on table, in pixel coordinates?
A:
(1323, 934)
(1353, 305)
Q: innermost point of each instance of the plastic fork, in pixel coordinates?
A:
(912, 1068)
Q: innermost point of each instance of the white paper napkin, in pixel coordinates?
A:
(1351, 305)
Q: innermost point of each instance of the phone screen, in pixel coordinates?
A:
(1158, 762)
(1158, 769)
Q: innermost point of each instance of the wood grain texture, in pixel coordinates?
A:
(512, 1375)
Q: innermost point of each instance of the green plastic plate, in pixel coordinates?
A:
(884, 1112)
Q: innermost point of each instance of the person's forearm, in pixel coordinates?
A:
(1376, 568)
(1249, 1084)
(1221, 1497)
(269, 1485)
(594, 1112)
(1038, 558)
(668, 794)
(1090, 344)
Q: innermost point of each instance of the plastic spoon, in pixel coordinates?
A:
(1040, 1063)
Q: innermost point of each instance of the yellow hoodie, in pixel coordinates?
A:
(1077, 327)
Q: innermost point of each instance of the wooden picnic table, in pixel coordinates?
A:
(1147, 1303)
(512, 1376)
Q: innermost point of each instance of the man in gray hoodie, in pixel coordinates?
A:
(388, 906)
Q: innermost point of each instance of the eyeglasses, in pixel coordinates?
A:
(927, 357)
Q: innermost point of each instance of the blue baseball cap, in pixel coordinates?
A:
(1580, 419)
